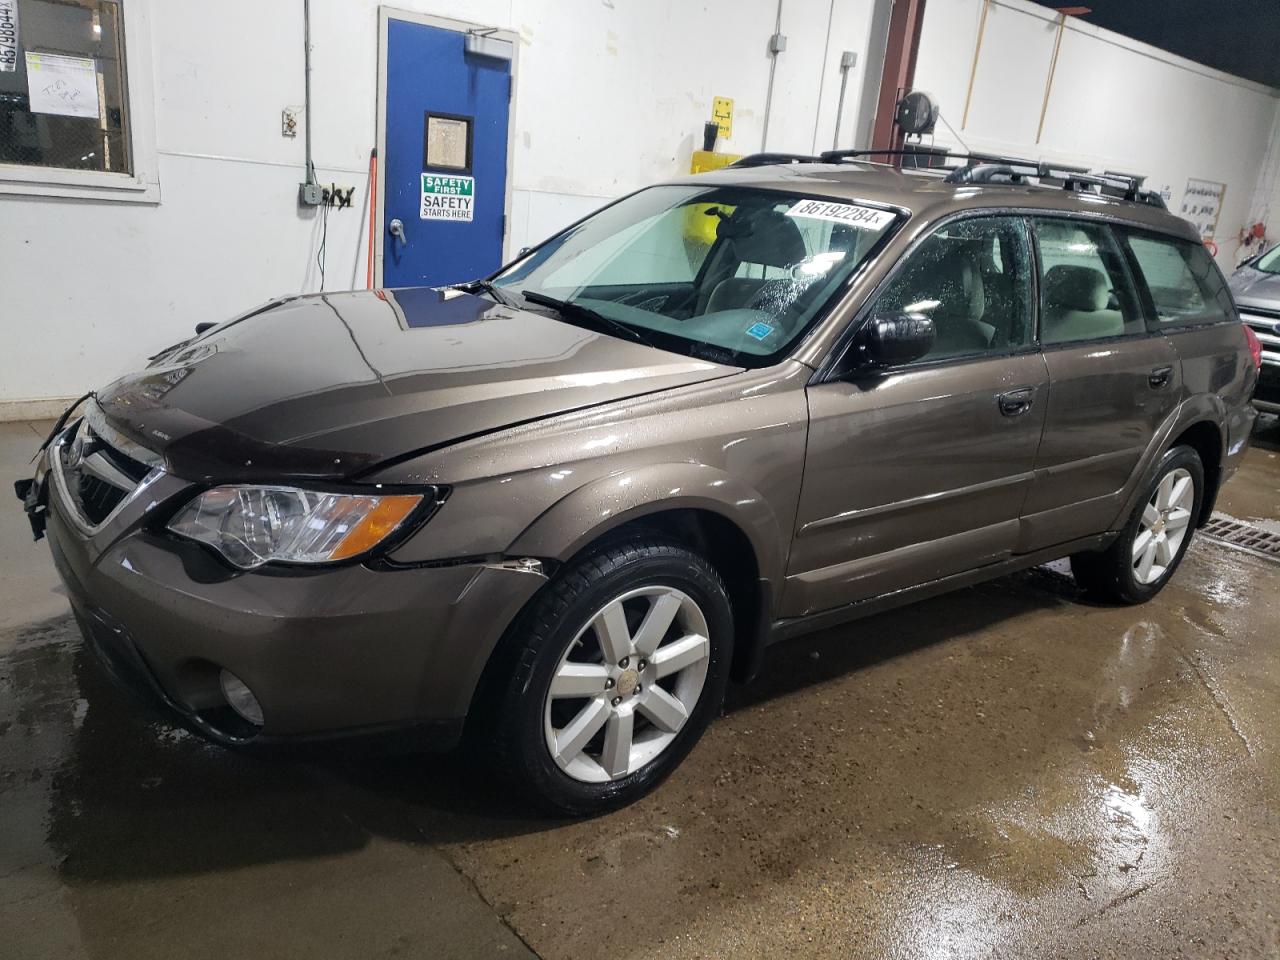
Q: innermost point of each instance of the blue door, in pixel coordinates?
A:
(445, 163)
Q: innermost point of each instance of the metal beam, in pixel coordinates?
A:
(899, 70)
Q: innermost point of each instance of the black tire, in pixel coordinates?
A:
(1110, 574)
(544, 632)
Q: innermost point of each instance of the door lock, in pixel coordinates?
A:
(396, 228)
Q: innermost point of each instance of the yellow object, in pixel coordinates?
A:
(699, 228)
(706, 160)
(722, 114)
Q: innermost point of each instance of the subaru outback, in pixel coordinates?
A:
(558, 509)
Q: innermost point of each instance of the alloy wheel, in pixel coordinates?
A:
(627, 684)
(1165, 521)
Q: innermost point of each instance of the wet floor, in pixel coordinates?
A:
(1005, 771)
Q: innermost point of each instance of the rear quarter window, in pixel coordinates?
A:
(1185, 285)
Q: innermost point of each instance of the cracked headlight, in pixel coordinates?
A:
(253, 525)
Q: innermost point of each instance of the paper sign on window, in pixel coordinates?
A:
(67, 86)
(8, 36)
(849, 214)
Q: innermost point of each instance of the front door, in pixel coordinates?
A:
(444, 162)
(918, 472)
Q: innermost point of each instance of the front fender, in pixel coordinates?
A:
(589, 512)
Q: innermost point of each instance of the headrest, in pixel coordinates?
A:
(767, 237)
(1070, 287)
(958, 284)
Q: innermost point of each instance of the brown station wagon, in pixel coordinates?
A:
(558, 509)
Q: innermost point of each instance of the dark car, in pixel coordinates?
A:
(1256, 286)
(557, 510)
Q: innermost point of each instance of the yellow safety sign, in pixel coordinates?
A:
(722, 114)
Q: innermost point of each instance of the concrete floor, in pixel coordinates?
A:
(1005, 771)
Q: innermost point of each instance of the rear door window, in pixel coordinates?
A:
(1186, 288)
(1085, 290)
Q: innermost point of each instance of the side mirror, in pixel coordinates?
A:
(893, 338)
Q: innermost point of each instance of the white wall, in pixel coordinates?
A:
(612, 95)
(1115, 103)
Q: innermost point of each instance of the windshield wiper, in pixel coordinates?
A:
(490, 288)
(567, 308)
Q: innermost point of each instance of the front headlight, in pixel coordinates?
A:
(251, 525)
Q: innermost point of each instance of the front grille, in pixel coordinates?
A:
(99, 477)
(1267, 326)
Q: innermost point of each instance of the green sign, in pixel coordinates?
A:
(448, 198)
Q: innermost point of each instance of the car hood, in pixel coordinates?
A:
(1256, 288)
(332, 385)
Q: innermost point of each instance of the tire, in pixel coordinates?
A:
(583, 673)
(1148, 550)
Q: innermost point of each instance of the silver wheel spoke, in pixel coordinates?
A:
(616, 756)
(656, 623)
(678, 654)
(1180, 492)
(1164, 491)
(1164, 552)
(1150, 515)
(663, 710)
(579, 680)
(1141, 543)
(1178, 519)
(571, 740)
(1148, 560)
(611, 628)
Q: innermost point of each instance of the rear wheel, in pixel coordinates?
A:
(622, 663)
(1151, 545)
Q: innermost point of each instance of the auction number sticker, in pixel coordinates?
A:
(446, 197)
(864, 218)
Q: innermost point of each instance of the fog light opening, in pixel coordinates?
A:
(240, 698)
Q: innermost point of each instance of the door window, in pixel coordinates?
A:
(973, 279)
(1085, 293)
(1185, 286)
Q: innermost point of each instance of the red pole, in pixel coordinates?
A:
(899, 70)
(373, 206)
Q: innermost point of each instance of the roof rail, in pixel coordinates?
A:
(766, 159)
(981, 168)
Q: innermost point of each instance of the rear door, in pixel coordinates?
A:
(1112, 382)
(1191, 305)
(919, 471)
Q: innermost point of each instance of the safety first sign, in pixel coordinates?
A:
(448, 198)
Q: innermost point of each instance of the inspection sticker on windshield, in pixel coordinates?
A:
(864, 218)
(760, 331)
(447, 197)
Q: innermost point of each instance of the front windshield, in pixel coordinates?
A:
(731, 274)
(1269, 262)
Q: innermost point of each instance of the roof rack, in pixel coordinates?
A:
(768, 159)
(979, 168)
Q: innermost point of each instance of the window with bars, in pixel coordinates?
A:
(63, 93)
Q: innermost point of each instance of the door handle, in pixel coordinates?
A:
(1016, 402)
(396, 227)
(1159, 377)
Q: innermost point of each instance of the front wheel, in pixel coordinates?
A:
(622, 663)
(1151, 545)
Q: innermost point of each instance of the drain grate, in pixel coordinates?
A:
(1243, 535)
